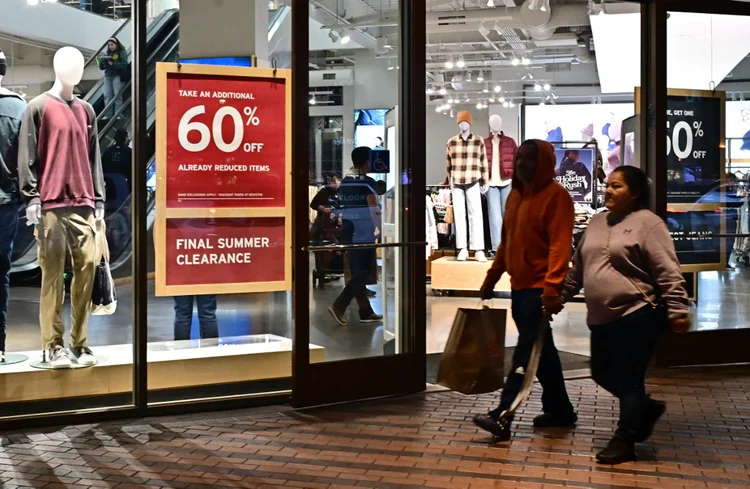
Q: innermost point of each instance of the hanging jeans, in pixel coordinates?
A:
(467, 202)
(63, 229)
(8, 228)
(620, 354)
(112, 88)
(526, 307)
(183, 316)
(497, 198)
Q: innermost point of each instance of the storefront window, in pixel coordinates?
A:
(220, 302)
(65, 180)
(357, 183)
(706, 171)
(566, 74)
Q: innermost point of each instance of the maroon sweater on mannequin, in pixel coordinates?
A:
(59, 163)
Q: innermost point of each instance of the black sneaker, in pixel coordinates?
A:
(372, 318)
(339, 317)
(370, 293)
(551, 420)
(654, 411)
(618, 451)
(491, 425)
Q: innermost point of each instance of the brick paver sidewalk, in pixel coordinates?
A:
(421, 441)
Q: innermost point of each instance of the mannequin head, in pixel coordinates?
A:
(68, 64)
(496, 123)
(464, 120)
(3, 65)
(615, 132)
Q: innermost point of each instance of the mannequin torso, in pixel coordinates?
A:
(501, 153)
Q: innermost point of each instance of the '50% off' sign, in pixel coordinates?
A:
(683, 139)
(215, 133)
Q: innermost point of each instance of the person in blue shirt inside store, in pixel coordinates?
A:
(360, 214)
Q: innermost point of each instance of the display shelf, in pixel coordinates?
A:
(171, 364)
(450, 275)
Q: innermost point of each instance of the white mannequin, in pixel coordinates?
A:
(68, 64)
(463, 253)
(615, 132)
(496, 126)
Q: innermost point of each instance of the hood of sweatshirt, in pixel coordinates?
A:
(545, 170)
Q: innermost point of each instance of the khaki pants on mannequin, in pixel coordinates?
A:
(69, 228)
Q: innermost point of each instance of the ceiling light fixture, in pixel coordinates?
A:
(429, 91)
(515, 62)
(525, 61)
(461, 63)
(443, 91)
(480, 106)
(449, 64)
(492, 100)
(480, 76)
(312, 100)
(537, 87)
(334, 37)
(512, 104)
(345, 37)
(506, 104)
(498, 88)
(547, 87)
(486, 88)
(468, 76)
(502, 99)
(490, 4)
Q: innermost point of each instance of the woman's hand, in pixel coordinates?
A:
(552, 305)
(680, 324)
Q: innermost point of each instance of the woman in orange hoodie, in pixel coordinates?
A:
(535, 251)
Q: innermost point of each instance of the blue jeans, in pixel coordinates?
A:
(361, 263)
(497, 197)
(8, 228)
(112, 87)
(526, 306)
(183, 316)
(620, 354)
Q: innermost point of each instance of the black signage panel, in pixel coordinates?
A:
(694, 147)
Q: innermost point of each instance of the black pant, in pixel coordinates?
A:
(526, 306)
(620, 354)
(183, 316)
(8, 228)
(361, 263)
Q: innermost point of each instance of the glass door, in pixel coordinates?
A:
(356, 237)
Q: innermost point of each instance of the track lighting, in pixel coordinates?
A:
(429, 91)
(547, 87)
(502, 99)
(486, 88)
(506, 104)
(312, 100)
(525, 61)
(345, 37)
(480, 76)
(443, 91)
(537, 87)
(512, 104)
(516, 62)
(498, 88)
(490, 3)
(334, 37)
(480, 106)
(468, 76)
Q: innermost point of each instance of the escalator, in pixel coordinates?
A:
(163, 46)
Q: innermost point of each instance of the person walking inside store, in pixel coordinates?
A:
(636, 287)
(360, 214)
(535, 251)
(114, 64)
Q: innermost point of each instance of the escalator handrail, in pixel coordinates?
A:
(127, 86)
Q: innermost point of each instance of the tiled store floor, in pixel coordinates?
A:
(424, 440)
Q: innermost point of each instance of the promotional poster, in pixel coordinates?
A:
(225, 144)
(573, 170)
(693, 147)
(738, 131)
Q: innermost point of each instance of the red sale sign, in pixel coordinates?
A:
(201, 251)
(223, 180)
(226, 141)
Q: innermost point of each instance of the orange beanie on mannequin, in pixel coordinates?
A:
(463, 116)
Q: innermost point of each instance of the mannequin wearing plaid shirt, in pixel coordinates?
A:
(466, 165)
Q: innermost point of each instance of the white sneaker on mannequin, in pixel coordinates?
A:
(463, 255)
(479, 256)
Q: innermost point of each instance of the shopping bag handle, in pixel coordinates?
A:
(485, 304)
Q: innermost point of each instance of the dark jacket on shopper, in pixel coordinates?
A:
(12, 107)
(537, 231)
(119, 58)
